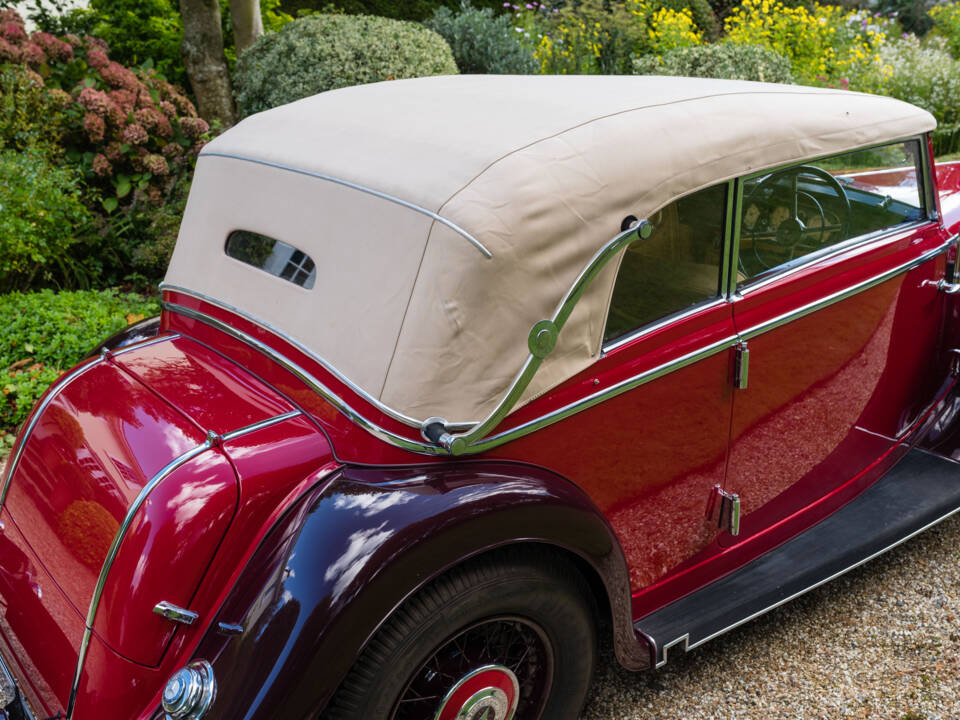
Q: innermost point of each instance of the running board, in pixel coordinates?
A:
(920, 491)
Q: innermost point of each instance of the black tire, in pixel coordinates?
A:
(530, 600)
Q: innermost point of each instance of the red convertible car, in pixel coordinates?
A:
(456, 374)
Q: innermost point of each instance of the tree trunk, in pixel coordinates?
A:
(202, 51)
(247, 23)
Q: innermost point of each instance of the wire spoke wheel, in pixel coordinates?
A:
(497, 669)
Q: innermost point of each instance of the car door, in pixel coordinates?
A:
(653, 450)
(838, 311)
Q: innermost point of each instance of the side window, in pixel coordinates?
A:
(676, 267)
(793, 212)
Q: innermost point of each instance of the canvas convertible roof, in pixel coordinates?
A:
(447, 215)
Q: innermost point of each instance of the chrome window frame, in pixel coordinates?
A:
(925, 188)
(723, 278)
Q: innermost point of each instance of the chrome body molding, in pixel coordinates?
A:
(843, 294)
(388, 411)
(362, 188)
(212, 441)
(478, 439)
(308, 379)
(61, 384)
(662, 323)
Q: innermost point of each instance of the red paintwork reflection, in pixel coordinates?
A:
(41, 630)
(830, 392)
(649, 458)
(100, 440)
(203, 386)
(164, 556)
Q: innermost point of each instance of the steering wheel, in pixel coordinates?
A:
(791, 233)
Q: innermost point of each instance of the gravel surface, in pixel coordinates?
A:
(882, 641)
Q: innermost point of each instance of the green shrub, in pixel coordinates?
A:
(28, 116)
(46, 333)
(482, 42)
(324, 52)
(925, 74)
(41, 214)
(721, 60)
(947, 20)
(417, 10)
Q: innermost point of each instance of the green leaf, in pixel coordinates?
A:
(89, 82)
(123, 188)
(109, 204)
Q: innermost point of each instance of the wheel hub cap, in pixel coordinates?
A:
(488, 693)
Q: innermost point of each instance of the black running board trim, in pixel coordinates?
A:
(919, 492)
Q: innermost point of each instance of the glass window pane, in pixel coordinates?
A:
(272, 256)
(792, 213)
(676, 267)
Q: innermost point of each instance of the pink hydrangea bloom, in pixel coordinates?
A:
(102, 166)
(97, 59)
(94, 100)
(134, 134)
(124, 99)
(94, 126)
(94, 43)
(167, 108)
(13, 31)
(154, 121)
(55, 49)
(172, 150)
(193, 127)
(156, 164)
(32, 54)
(34, 78)
(8, 52)
(73, 40)
(112, 151)
(116, 75)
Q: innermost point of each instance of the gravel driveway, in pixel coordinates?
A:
(882, 641)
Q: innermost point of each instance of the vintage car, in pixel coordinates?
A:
(456, 374)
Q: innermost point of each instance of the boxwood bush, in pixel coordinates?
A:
(721, 60)
(41, 215)
(324, 52)
(483, 42)
(45, 333)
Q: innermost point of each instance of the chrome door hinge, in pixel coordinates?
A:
(741, 367)
(944, 286)
(725, 508)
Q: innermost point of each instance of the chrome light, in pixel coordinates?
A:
(189, 692)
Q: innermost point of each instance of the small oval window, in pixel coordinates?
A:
(273, 256)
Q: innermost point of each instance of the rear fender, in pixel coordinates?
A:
(347, 555)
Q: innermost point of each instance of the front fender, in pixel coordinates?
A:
(351, 551)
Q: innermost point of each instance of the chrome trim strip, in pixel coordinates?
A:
(305, 377)
(662, 323)
(602, 395)
(37, 412)
(212, 441)
(62, 383)
(260, 425)
(842, 294)
(802, 263)
(112, 555)
(797, 594)
(390, 412)
(376, 193)
(25, 706)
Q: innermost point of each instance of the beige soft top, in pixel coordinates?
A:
(447, 215)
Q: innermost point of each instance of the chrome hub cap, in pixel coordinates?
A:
(488, 693)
